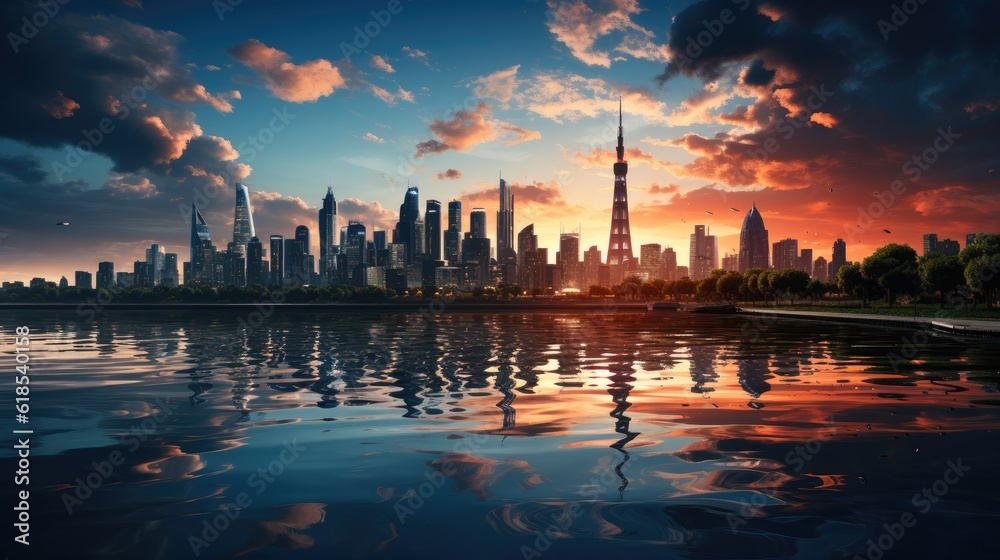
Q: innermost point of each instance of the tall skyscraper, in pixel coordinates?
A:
(453, 235)
(805, 262)
(821, 269)
(620, 257)
(838, 259)
(704, 253)
(202, 251)
(406, 229)
(753, 241)
(84, 280)
(243, 228)
(105, 275)
(379, 240)
(477, 223)
(527, 250)
(357, 252)
(171, 275)
(154, 258)
(591, 266)
(786, 254)
(668, 264)
(277, 260)
(328, 227)
(432, 229)
(295, 258)
(505, 220)
(303, 237)
(568, 259)
(255, 263)
(649, 260)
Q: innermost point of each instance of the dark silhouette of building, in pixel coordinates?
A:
(277, 260)
(255, 263)
(84, 280)
(506, 255)
(620, 257)
(753, 241)
(202, 250)
(453, 235)
(786, 254)
(243, 228)
(477, 223)
(432, 230)
(568, 260)
(527, 266)
(704, 252)
(838, 259)
(328, 227)
(406, 229)
(105, 274)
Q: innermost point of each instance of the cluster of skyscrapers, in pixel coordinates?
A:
(415, 256)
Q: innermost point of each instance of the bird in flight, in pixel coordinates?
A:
(887, 231)
(63, 224)
(709, 213)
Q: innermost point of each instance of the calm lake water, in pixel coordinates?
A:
(501, 435)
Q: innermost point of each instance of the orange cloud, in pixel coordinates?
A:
(579, 27)
(952, 200)
(198, 93)
(467, 129)
(449, 174)
(61, 107)
(604, 158)
(289, 82)
(381, 63)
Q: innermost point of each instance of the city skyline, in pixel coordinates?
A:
(800, 133)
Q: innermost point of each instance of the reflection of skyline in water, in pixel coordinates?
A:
(381, 397)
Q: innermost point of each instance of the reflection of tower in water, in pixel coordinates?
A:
(619, 390)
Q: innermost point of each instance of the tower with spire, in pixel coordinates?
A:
(506, 255)
(620, 256)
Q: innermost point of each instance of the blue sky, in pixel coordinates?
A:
(465, 91)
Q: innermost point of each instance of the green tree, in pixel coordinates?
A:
(728, 286)
(851, 283)
(941, 273)
(983, 276)
(984, 244)
(765, 284)
(893, 268)
(815, 289)
(749, 288)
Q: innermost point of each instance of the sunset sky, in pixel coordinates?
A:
(809, 109)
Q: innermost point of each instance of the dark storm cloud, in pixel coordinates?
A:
(25, 168)
(79, 72)
(892, 83)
